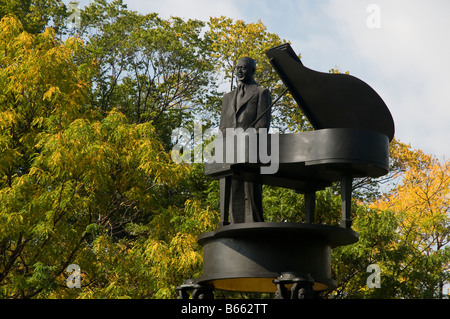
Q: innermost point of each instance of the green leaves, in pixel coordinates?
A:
(68, 177)
(406, 233)
(36, 15)
(162, 64)
(86, 177)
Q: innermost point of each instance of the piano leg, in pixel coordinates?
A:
(225, 192)
(310, 206)
(346, 201)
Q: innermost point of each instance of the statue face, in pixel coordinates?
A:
(244, 71)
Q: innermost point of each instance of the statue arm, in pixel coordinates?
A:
(224, 114)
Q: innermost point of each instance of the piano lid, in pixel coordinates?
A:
(331, 100)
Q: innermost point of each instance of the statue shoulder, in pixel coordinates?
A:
(228, 94)
(263, 90)
(227, 97)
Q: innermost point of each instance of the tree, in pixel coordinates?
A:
(406, 232)
(36, 15)
(86, 176)
(41, 92)
(147, 66)
(422, 201)
(41, 89)
(71, 181)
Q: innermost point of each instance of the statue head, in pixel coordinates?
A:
(245, 70)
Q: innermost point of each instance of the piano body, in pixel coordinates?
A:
(352, 131)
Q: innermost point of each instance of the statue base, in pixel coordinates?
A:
(255, 257)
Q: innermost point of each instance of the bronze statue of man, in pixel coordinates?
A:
(240, 108)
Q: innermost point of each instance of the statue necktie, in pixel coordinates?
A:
(241, 90)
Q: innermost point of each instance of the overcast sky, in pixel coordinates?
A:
(399, 47)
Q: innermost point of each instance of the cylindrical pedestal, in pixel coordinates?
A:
(248, 257)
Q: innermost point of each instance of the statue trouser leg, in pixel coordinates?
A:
(254, 210)
(237, 202)
(246, 202)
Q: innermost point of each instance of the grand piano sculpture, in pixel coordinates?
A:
(353, 128)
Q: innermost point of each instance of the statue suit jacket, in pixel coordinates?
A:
(246, 197)
(241, 114)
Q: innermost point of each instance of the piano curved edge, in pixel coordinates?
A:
(360, 152)
(315, 157)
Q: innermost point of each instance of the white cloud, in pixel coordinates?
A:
(192, 9)
(406, 60)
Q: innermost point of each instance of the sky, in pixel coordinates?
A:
(401, 48)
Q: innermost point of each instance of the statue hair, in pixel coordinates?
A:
(250, 62)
